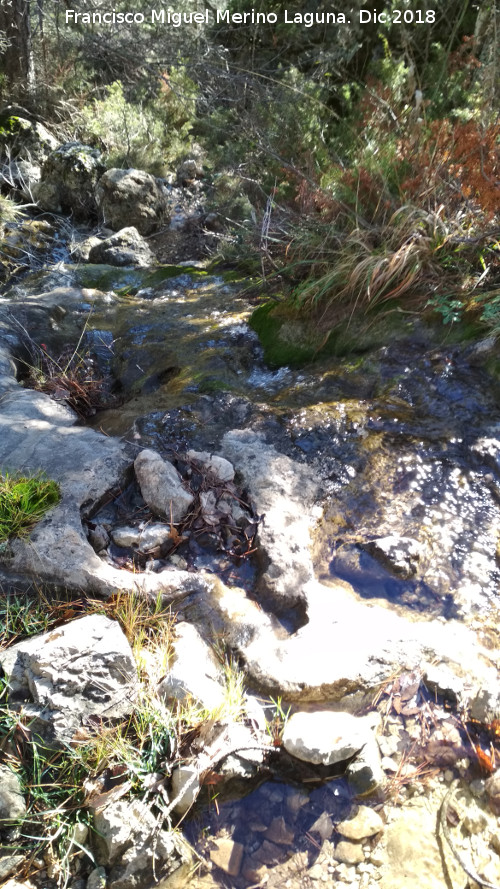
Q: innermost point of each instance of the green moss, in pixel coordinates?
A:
(23, 502)
(268, 321)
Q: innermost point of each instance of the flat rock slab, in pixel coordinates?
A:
(82, 669)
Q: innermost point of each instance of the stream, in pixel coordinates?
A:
(404, 441)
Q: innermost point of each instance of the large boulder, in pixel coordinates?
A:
(126, 247)
(23, 137)
(132, 197)
(69, 178)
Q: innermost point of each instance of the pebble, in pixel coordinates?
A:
(279, 832)
(365, 822)
(349, 853)
(227, 855)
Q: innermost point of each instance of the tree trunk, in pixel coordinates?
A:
(17, 57)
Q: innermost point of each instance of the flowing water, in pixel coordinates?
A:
(405, 441)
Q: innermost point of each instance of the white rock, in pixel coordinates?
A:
(325, 737)
(161, 486)
(218, 466)
(12, 804)
(82, 669)
(145, 539)
(195, 670)
(365, 822)
(186, 786)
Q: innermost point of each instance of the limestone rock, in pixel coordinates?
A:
(132, 197)
(69, 176)
(82, 669)
(349, 853)
(145, 539)
(284, 491)
(125, 247)
(24, 137)
(161, 486)
(279, 832)
(399, 554)
(218, 466)
(413, 854)
(365, 822)
(9, 864)
(227, 855)
(124, 839)
(194, 671)
(12, 804)
(325, 737)
(186, 786)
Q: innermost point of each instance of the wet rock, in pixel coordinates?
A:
(145, 539)
(325, 737)
(80, 252)
(69, 176)
(284, 492)
(161, 486)
(77, 671)
(279, 832)
(400, 554)
(218, 466)
(194, 671)
(349, 853)
(126, 247)
(124, 835)
(12, 804)
(365, 822)
(132, 197)
(323, 826)
(227, 855)
(366, 772)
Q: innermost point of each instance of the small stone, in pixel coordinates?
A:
(97, 879)
(365, 822)
(296, 800)
(185, 781)
(161, 486)
(279, 832)
(253, 871)
(349, 853)
(389, 764)
(218, 466)
(323, 825)
(12, 804)
(270, 854)
(377, 857)
(315, 872)
(227, 855)
(9, 864)
(325, 737)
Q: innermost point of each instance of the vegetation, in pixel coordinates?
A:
(23, 502)
(376, 187)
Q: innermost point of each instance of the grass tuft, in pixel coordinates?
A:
(23, 502)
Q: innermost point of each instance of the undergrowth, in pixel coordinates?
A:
(105, 760)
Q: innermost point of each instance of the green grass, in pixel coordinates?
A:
(23, 502)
